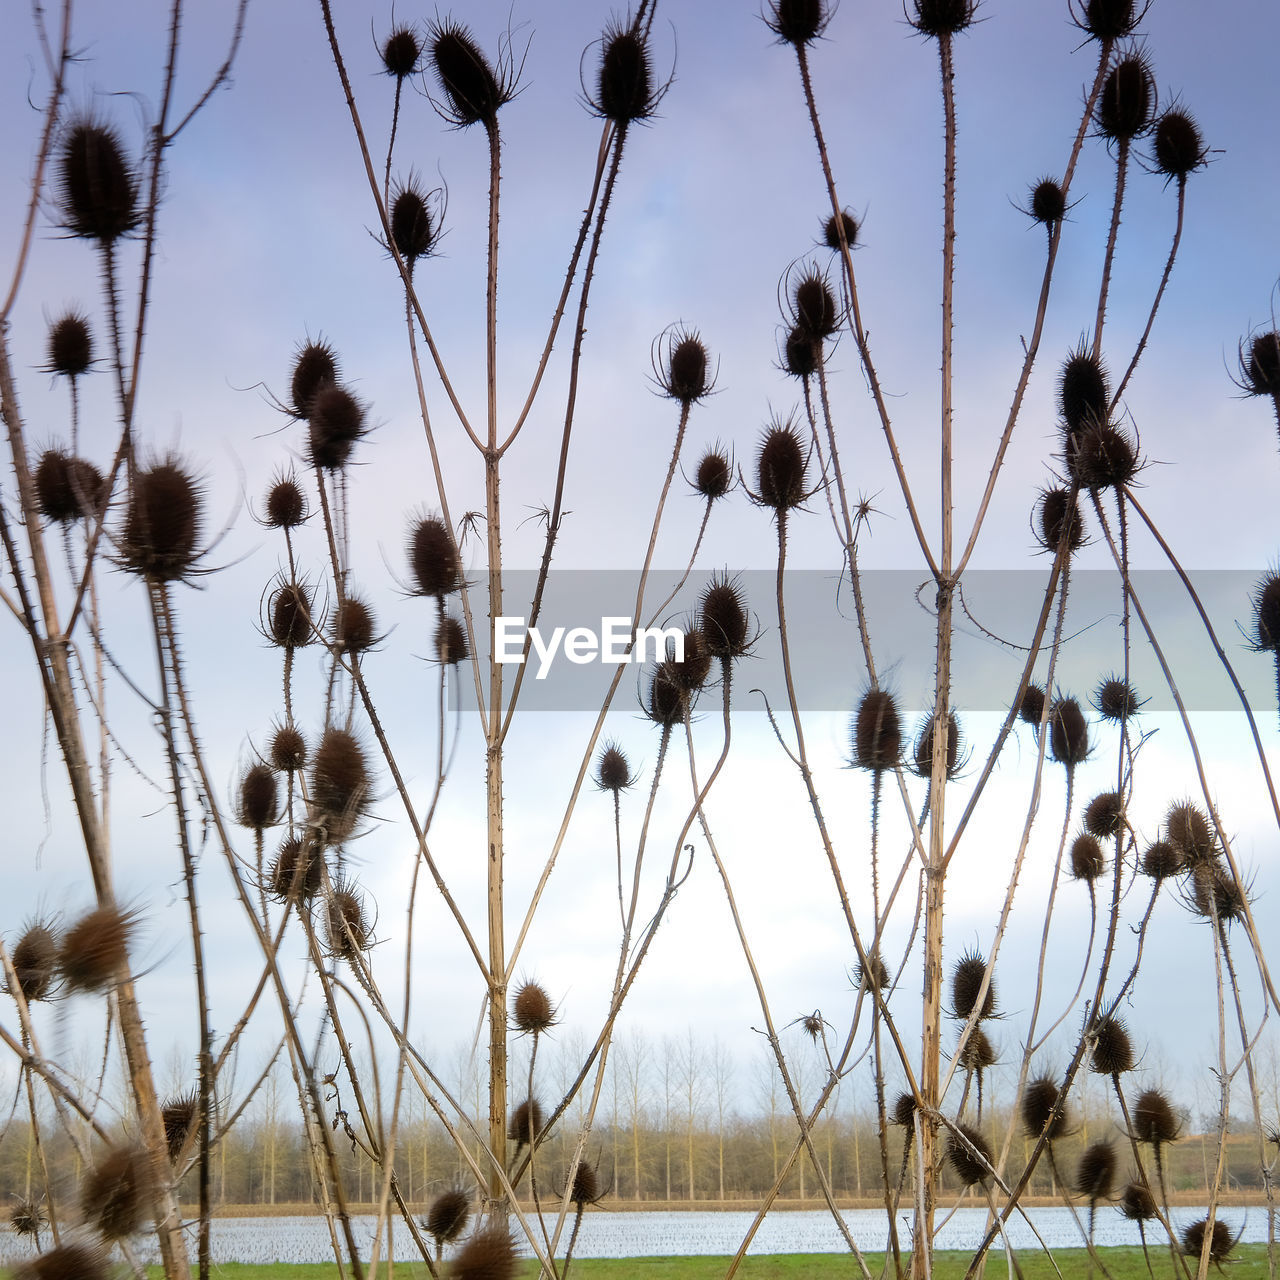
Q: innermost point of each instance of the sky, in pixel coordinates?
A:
(268, 239)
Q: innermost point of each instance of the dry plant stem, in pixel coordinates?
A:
(1224, 1103)
(1122, 166)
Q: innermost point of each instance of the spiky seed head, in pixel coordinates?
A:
(586, 1184)
(297, 871)
(1104, 815)
(1190, 832)
(811, 1025)
(833, 226)
(1047, 203)
(1031, 708)
(624, 80)
(1038, 1103)
(347, 922)
(1127, 104)
(613, 769)
(685, 374)
(114, 1194)
(966, 980)
(692, 669)
(163, 523)
(797, 22)
(1058, 516)
(1109, 19)
(978, 1053)
(288, 751)
(924, 747)
(942, 17)
(667, 700)
(96, 948)
(1221, 1241)
(413, 229)
(1068, 733)
(1101, 456)
(70, 345)
(74, 1261)
(1266, 614)
(35, 961)
(259, 801)
(1137, 1203)
(1179, 147)
(336, 421)
(315, 365)
(286, 504)
(1096, 1172)
(1112, 1047)
(1216, 894)
(876, 738)
(27, 1218)
(1088, 862)
(353, 626)
(473, 91)
(1116, 699)
(1161, 860)
(490, 1254)
(1154, 1120)
(97, 185)
(291, 615)
(400, 52)
(451, 641)
(1260, 368)
(969, 1154)
(904, 1110)
(180, 1115)
(448, 1215)
(801, 352)
(339, 783)
(67, 487)
(526, 1122)
(433, 558)
(714, 475)
(532, 1011)
(1083, 393)
(722, 618)
(814, 306)
(873, 975)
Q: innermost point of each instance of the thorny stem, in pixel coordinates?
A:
(1122, 166)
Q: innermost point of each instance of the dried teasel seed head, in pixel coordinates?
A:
(1266, 614)
(1096, 1172)
(96, 948)
(978, 1053)
(448, 1215)
(586, 1184)
(1116, 699)
(1190, 832)
(1260, 368)
(1058, 515)
(1109, 19)
(532, 1011)
(291, 615)
(722, 618)
(1047, 202)
(1154, 1120)
(75, 1261)
(969, 1154)
(1161, 860)
(70, 345)
(811, 1024)
(180, 1116)
(1127, 104)
(1104, 815)
(904, 1110)
(413, 229)
(624, 80)
(685, 370)
(1083, 394)
(1101, 456)
(433, 558)
(924, 747)
(1087, 859)
(797, 22)
(162, 523)
(1031, 708)
(666, 702)
(714, 475)
(114, 1195)
(451, 641)
(97, 184)
(613, 769)
(801, 352)
(353, 626)
(1038, 1103)
(67, 488)
(1178, 145)
(1112, 1049)
(315, 365)
(490, 1254)
(1221, 1241)
(966, 981)
(526, 1122)
(691, 670)
(1137, 1203)
(335, 421)
(35, 961)
(1068, 733)
(259, 801)
(873, 975)
(942, 17)
(288, 751)
(27, 1218)
(297, 871)
(473, 91)
(876, 736)
(813, 305)
(832, 227)
(347, 923)
(400, 52)
(339, 783)
(286, 504)
(1216, 894)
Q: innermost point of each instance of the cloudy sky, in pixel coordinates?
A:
(267, 239)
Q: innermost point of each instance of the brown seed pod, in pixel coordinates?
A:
(490, 1254)
(832, 227)
(1104, 815)
(1096, 1172)
(96, 948)
(297, 870)
(339, 783)
(692, 668)
(1068, 733)
(624, 80)
(452, 648)
(966, 981)
(180, 1115)
(801, 352)
(1178, 146)
(1112, 1049)
(1038, 1110)
(714, 475)
(1058, 516)
(1216, 894)
(67, 487)
(433, 558)
(413, 229)
(667, 700)
(813, 306)
(27, 1218)
(259, 803)
(400, 52)
(353, 626)
(613, 769)
(114, 1195)
(1031, 708)
(97, 185)
(1221, 1241)
(70, 345)
(448, 1215)
(682, 365)
(1189, 831)
(924, 746)
(1047, 202)
(473, 91)
(35, 961)
(162, 523)
(876, 736)
(1260, 368)
(286, 505)
(1127, 104)
(291, 615)
(1083, 394)
(797, 22)
(942, 17)
(1266, 614)
(1154, 1120)
(969, 1154)
(1161, 860)
(811, 1024)
(873, 975)
(1108, 19)
(288, 749)
(722, 618)
(1137, 1203)
(526, 1122)
(904, 1110)
(1116, 700)
(315, 365)
(1101, 456)
(532, 1011)
(978, 1053)
(586, 1185)
(335, 421)
(1088, 862)
(348, 928)
(74, 1261)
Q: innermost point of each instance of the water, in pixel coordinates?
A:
(629, 1235)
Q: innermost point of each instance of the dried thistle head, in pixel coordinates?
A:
(291, 621)
(1083, 394)
(586, 1187)
(96, 948)
(526, 1122)
(1088, 862)
(667, 700)
(162, 523)
(1221, 1241)
(811, 1024)
(336, 421)
(67, 488)
(1031, 707)
(613, 769)
(98, 188)
(1178, 146)
(353, 625)
(348, 927)
(801, 352)
(472, 89)
(1104, 815)
(1101, 456)
(315, 366)
(1116, 699)
(1137, 1203)
(966, 982)
(258, 804)
(1096, 1172)
(1216, 894)
(1189, 831)
(415, 228)
(923, 756)
(490, 1254)
(978, 1053)
(875, 739)
(1108, 19)
(1266, 614)
(339, 783)
(797, 22)
(690, 666)
(936, 18)
(452, 648)
(27, 1217)
(1160, 860)
(434, 564)
(1068, 733)
(1058, 517)
(532, 1012)
(871, 974)
(1040, 1101)
(297, 871)
(286, 505)
(74, 1261)
(1112, 1048)
(813, 308)
(1154, 1120)
(904, 1111)
(682, 365)
(722, 617)
(448, 1215)
(714, 476)
(624, 83)
(401, 52)
(1047, 202)
(35, 960)
(288, 751)
(969, 1154)
(70, 345)
(1127, 104)
(1260, 364)
(180, 1115)
(114, 1196)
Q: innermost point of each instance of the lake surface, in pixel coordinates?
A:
(631, 1235)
